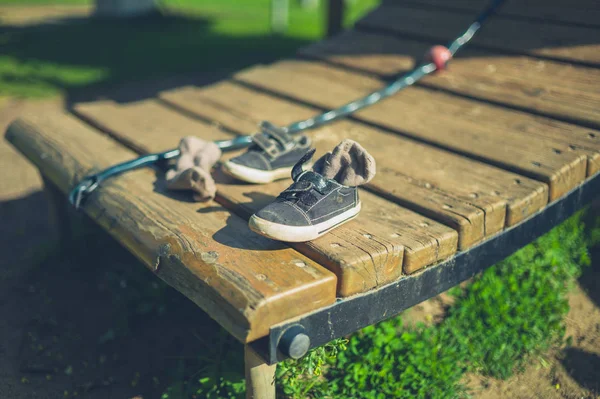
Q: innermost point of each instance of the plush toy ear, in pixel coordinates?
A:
(349, 164)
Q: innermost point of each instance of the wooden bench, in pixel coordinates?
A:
(472, 165)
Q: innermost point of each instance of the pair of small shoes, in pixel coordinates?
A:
(319, 199)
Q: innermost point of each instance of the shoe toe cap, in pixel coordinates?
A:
(283, 213)
(252, 160)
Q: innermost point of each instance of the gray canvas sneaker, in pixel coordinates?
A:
(309, 208)
(271, 157)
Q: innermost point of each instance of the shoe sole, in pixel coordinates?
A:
(282, 232)
(257, 176)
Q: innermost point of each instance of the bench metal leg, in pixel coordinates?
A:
(260, 377)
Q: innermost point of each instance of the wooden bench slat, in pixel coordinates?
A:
(568, 43)
(578, 12)
(470, 196)
(364, 253)
(554, 89)
(435, 117)
(240, 109)
(245, 282)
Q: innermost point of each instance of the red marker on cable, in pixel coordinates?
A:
(439, 55)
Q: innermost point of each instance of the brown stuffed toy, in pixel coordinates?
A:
(192, 170)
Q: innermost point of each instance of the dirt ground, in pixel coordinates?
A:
(65, 333)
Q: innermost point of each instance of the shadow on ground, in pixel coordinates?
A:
(581, 364)
(81, 55)
(24, 226)
(590, 279)
(583, 367)
(91, 321)
(168, 48)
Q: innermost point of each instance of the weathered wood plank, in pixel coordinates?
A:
(553, 89)
(237, 108)
(436, 117)
(363, 253)
(568, 43)
(240, 109)
(245, 282)
(561, 11)
(469, 196)
(456, 124)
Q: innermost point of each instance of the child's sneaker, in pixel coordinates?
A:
(271, 157)
(317, 201)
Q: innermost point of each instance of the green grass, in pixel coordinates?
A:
(504, 318)
(191, 37)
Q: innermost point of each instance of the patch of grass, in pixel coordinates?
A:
(504, 316)
(188, 37)
(516, 309)
(290, 374)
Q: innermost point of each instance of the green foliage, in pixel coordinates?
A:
(387, 361)
(504, 316)
(298, 377)
(516, 308)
